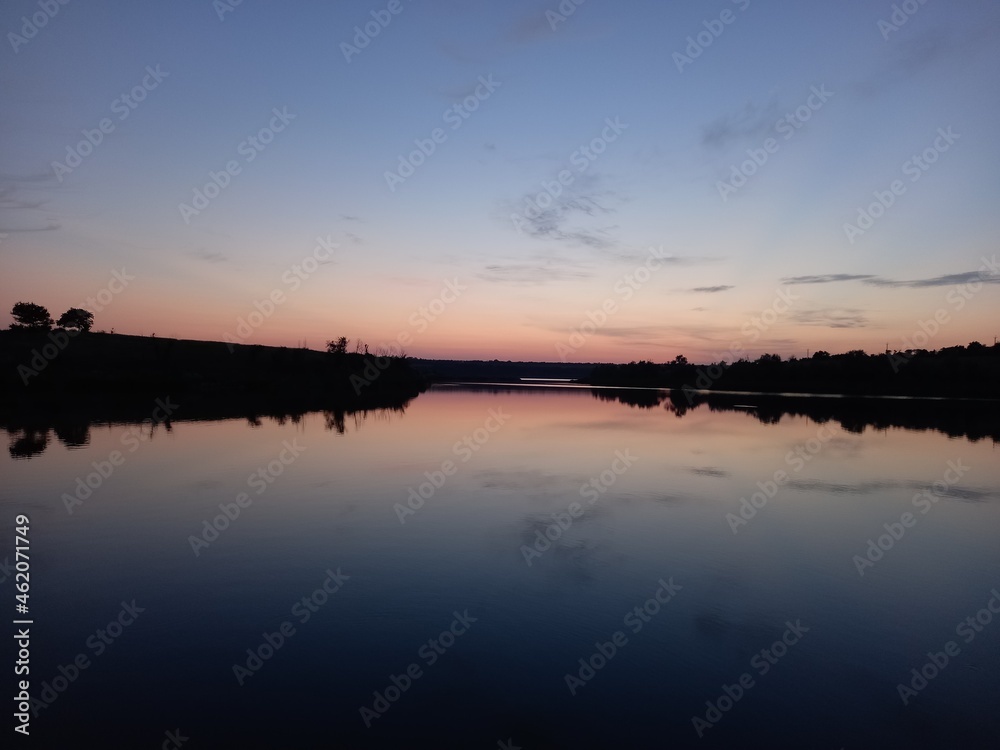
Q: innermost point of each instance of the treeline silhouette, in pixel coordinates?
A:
(974, 420)
(971, 371)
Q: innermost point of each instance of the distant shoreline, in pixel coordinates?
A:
(59, 366)
(576, 384)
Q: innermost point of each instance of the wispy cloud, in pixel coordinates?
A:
(753, 121)
(530, 28)
(950, 279)
(563, 220)
(12, 198)
(51, 226)
(827, 278)
(31, 179)
(645, 335)
(831, 318)
(22, 197)
(709, 471)
(713, 289)
(907, 57)
(946, 280)
(640, 255)
(209, 256)
(532, 273)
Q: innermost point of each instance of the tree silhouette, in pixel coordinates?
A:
(29, 316)
(337, 346)
(77, 318)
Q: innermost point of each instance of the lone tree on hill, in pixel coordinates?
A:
(31, 317)
(76, 318)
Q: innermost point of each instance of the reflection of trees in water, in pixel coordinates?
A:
(27, 442)
(646, 398)
(678, 405)
(282, 419)
(641, 399)
(337, 420)
(334, 420)
(74, 435)
(974, 420)
(29, 422)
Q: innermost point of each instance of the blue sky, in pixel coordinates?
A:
(657, 184)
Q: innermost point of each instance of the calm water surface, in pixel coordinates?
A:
(560, 511)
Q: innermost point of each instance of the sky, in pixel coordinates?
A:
(529, 180)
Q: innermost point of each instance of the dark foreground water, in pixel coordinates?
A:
(592, 570)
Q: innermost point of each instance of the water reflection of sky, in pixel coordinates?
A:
(665, 516)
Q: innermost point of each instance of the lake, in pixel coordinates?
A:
(517, 567)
